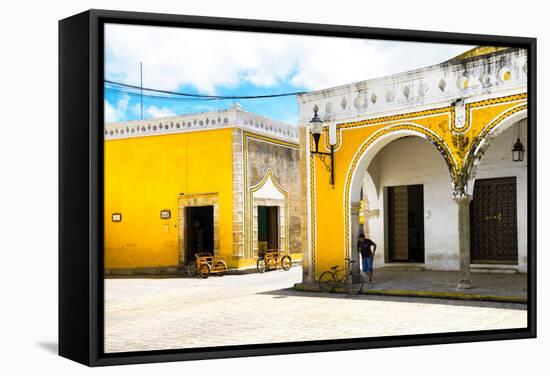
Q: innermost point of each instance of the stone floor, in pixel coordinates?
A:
(482, 283)
(485, 286)
(172, 313)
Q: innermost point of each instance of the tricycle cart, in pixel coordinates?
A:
(272, 259)
(206, 264)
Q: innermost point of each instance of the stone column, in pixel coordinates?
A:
(367, 215)
(463, 202)
(366, 227)
(355, 229)
(304, 186)
(238, 195)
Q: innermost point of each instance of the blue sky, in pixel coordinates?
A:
(238, 63)
(283, 108)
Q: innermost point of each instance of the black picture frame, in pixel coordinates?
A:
(81, 175)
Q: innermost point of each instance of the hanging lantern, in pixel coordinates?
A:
(517, 151)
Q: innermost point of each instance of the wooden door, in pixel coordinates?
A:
(398, 223)
(493, 221)
(406, 223)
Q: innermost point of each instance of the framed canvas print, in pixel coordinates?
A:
(235, 187)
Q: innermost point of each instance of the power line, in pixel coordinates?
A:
(201, 95)
(136, 94)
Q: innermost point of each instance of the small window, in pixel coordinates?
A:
(165, 214)
(116, 217)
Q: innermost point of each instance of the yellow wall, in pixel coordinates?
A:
(144, 175)
(330, 206)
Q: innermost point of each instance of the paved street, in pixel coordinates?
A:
(171, 313)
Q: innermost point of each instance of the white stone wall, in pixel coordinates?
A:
(412, 160)
(486, 76)
(497, 162)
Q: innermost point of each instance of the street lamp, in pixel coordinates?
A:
(316, 129)
(518, 150)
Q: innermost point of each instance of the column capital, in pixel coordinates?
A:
(354, 208)
(462, 198)
(374, 213)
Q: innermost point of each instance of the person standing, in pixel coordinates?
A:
(367, 255)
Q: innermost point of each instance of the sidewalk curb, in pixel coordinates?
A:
(254, 269)
(424, 294)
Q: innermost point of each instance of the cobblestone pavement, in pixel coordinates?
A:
(496, 284)
(171, 313)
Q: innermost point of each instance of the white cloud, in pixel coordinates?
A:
(117, 112)
(155, 112)
(210, 60)
(109, 112)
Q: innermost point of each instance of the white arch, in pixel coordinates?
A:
(358, 175)
(475, 158)
(370, 191)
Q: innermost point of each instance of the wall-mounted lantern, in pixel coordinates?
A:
(116, 217)
(518, 150)
(165, 214)
(316, 129)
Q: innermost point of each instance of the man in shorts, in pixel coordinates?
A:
(367, 255)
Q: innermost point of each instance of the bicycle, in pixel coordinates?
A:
(272, 259)
(336, 276)
(206, 264)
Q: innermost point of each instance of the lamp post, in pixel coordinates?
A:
(316, 129)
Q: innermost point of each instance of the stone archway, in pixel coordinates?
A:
(484, 141)
(466, 182)
(358, 172)
(501, 188)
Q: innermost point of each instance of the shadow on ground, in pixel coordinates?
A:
(288, 292)
(50, 347)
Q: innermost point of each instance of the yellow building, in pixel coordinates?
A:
(426, 156)
(225, 182)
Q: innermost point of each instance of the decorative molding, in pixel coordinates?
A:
(406, 124)
(493, 75)
(230, 118)
(283, 204)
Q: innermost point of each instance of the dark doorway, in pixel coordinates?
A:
(493, 222)
(406, 223)
(268, 228)
(199, 232)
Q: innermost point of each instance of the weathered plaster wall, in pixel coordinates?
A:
(284, 162)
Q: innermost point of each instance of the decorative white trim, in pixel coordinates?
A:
(281, 201)
(268, 190)
(230, 118)
(425, 87)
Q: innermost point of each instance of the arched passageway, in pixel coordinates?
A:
(498, 210)
(392, 178)
(409, 207)
(407, 197)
